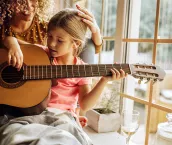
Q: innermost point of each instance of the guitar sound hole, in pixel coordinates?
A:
(11, 75)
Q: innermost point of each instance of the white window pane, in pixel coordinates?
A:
(165, 24)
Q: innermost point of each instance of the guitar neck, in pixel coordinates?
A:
(34, 72)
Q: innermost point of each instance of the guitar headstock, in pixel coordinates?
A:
(147, 72)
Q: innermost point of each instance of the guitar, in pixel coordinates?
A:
(26, 92)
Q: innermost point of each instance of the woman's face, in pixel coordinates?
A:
(25, 9)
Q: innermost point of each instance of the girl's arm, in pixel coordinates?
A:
(88, 97)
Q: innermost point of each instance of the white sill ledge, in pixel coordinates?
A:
(109, 138)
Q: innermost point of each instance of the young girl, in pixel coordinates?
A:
(66, 37)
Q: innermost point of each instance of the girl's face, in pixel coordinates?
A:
(27, 10)
(60, 42)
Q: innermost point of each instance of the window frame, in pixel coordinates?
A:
(120, 54)
(149, 103)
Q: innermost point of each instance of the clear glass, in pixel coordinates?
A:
(110, 7)
(142, 18)
(139, 137)
(147, 18)
(129, 123)
(109, 27)
(96, 8)
(165, 27)
(164, 53)
(140, 52)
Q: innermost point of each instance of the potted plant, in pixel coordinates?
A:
(103, 118)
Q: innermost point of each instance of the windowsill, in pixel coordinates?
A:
(109, 138)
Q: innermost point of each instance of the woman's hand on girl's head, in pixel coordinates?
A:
(89, 19)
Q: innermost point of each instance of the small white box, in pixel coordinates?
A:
(103, 122)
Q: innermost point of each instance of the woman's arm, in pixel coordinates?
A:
(88, 97)
(89, 19)
(15, 55)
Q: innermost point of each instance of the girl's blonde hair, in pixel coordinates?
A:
(69, 21)
(44, 11)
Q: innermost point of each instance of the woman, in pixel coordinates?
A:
(25, 21)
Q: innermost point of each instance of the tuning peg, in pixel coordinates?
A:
(154, 81)
(147, 81)
(140, 80)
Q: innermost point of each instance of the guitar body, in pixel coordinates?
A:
(25, 95)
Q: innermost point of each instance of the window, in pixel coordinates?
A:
(141, 35)
(138, 31)
(147, 40)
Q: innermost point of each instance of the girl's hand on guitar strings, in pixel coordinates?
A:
(119, 76)
(116, 75)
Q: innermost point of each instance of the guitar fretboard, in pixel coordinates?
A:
(34, 72)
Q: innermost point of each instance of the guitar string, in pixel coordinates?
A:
(101, 70)
(53, 73)
(70, 71)
(74, 76)
(73, 69)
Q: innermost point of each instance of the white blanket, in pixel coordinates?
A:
(52, 127)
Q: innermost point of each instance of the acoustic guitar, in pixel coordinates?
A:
(26, 92)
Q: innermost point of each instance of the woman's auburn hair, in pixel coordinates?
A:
(44, 10)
